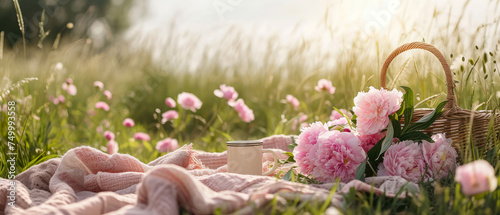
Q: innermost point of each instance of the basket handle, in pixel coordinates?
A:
(451, 105)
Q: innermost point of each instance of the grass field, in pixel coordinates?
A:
(140, 81)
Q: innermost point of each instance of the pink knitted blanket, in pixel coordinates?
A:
(88, 181)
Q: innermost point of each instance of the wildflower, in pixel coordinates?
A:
(171, 114)
(476, 177)
(112, 147)
(109, 135)
(142, 136)
(294, 101)
(102, 105)
(108, 94)
(226, 92)
(244, 112)
(128, 122)
(189, 101)
(170, 102)
(99, 85)
(167, 145)
(325, 85)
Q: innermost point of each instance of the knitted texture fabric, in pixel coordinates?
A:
(88, 181)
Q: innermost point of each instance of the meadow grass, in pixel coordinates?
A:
(140, 80)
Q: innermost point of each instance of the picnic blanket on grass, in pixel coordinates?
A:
(87, 181)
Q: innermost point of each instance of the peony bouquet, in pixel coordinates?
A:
(374, 142)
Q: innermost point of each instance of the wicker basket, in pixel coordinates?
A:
(455, 121)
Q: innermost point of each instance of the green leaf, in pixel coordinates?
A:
(288, 175)
(426, 120)
(360, 172)
(416, 136)
(396, 126)
(408, 101)
(388, 139)
(372, 157)
(293, 145)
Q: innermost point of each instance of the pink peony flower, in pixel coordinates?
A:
(374, 107)
(167, 145)
(440, 156)
(128, 122)
(171, 114)
(108, 94)
(109, 135)
(294, 101)
(404, 159)
(226, 92)
(476, 177)
(368, 141)
(142, 136)
(102, 105)
(69, 80)
(325, 85)
(189, 101)
(307, 139)
(112, 147)
(245, 113)
(170, 102)
(335, 155)
(98, 85)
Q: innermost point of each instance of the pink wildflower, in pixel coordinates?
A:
(325, 85)
(476, 177)
(245, 113)
(109, 135)
(171, 114)
(226, 92)
(128, 122)
(102, 105)
(99, 85)
(170, 102)
(112, 147)
(189, 101)
(294, 101)
(167, 145)
(108, 94)
(142, 136)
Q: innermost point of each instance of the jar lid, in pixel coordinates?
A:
(243, 143)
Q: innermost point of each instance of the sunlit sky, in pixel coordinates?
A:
(394, 21)
(202, 14)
